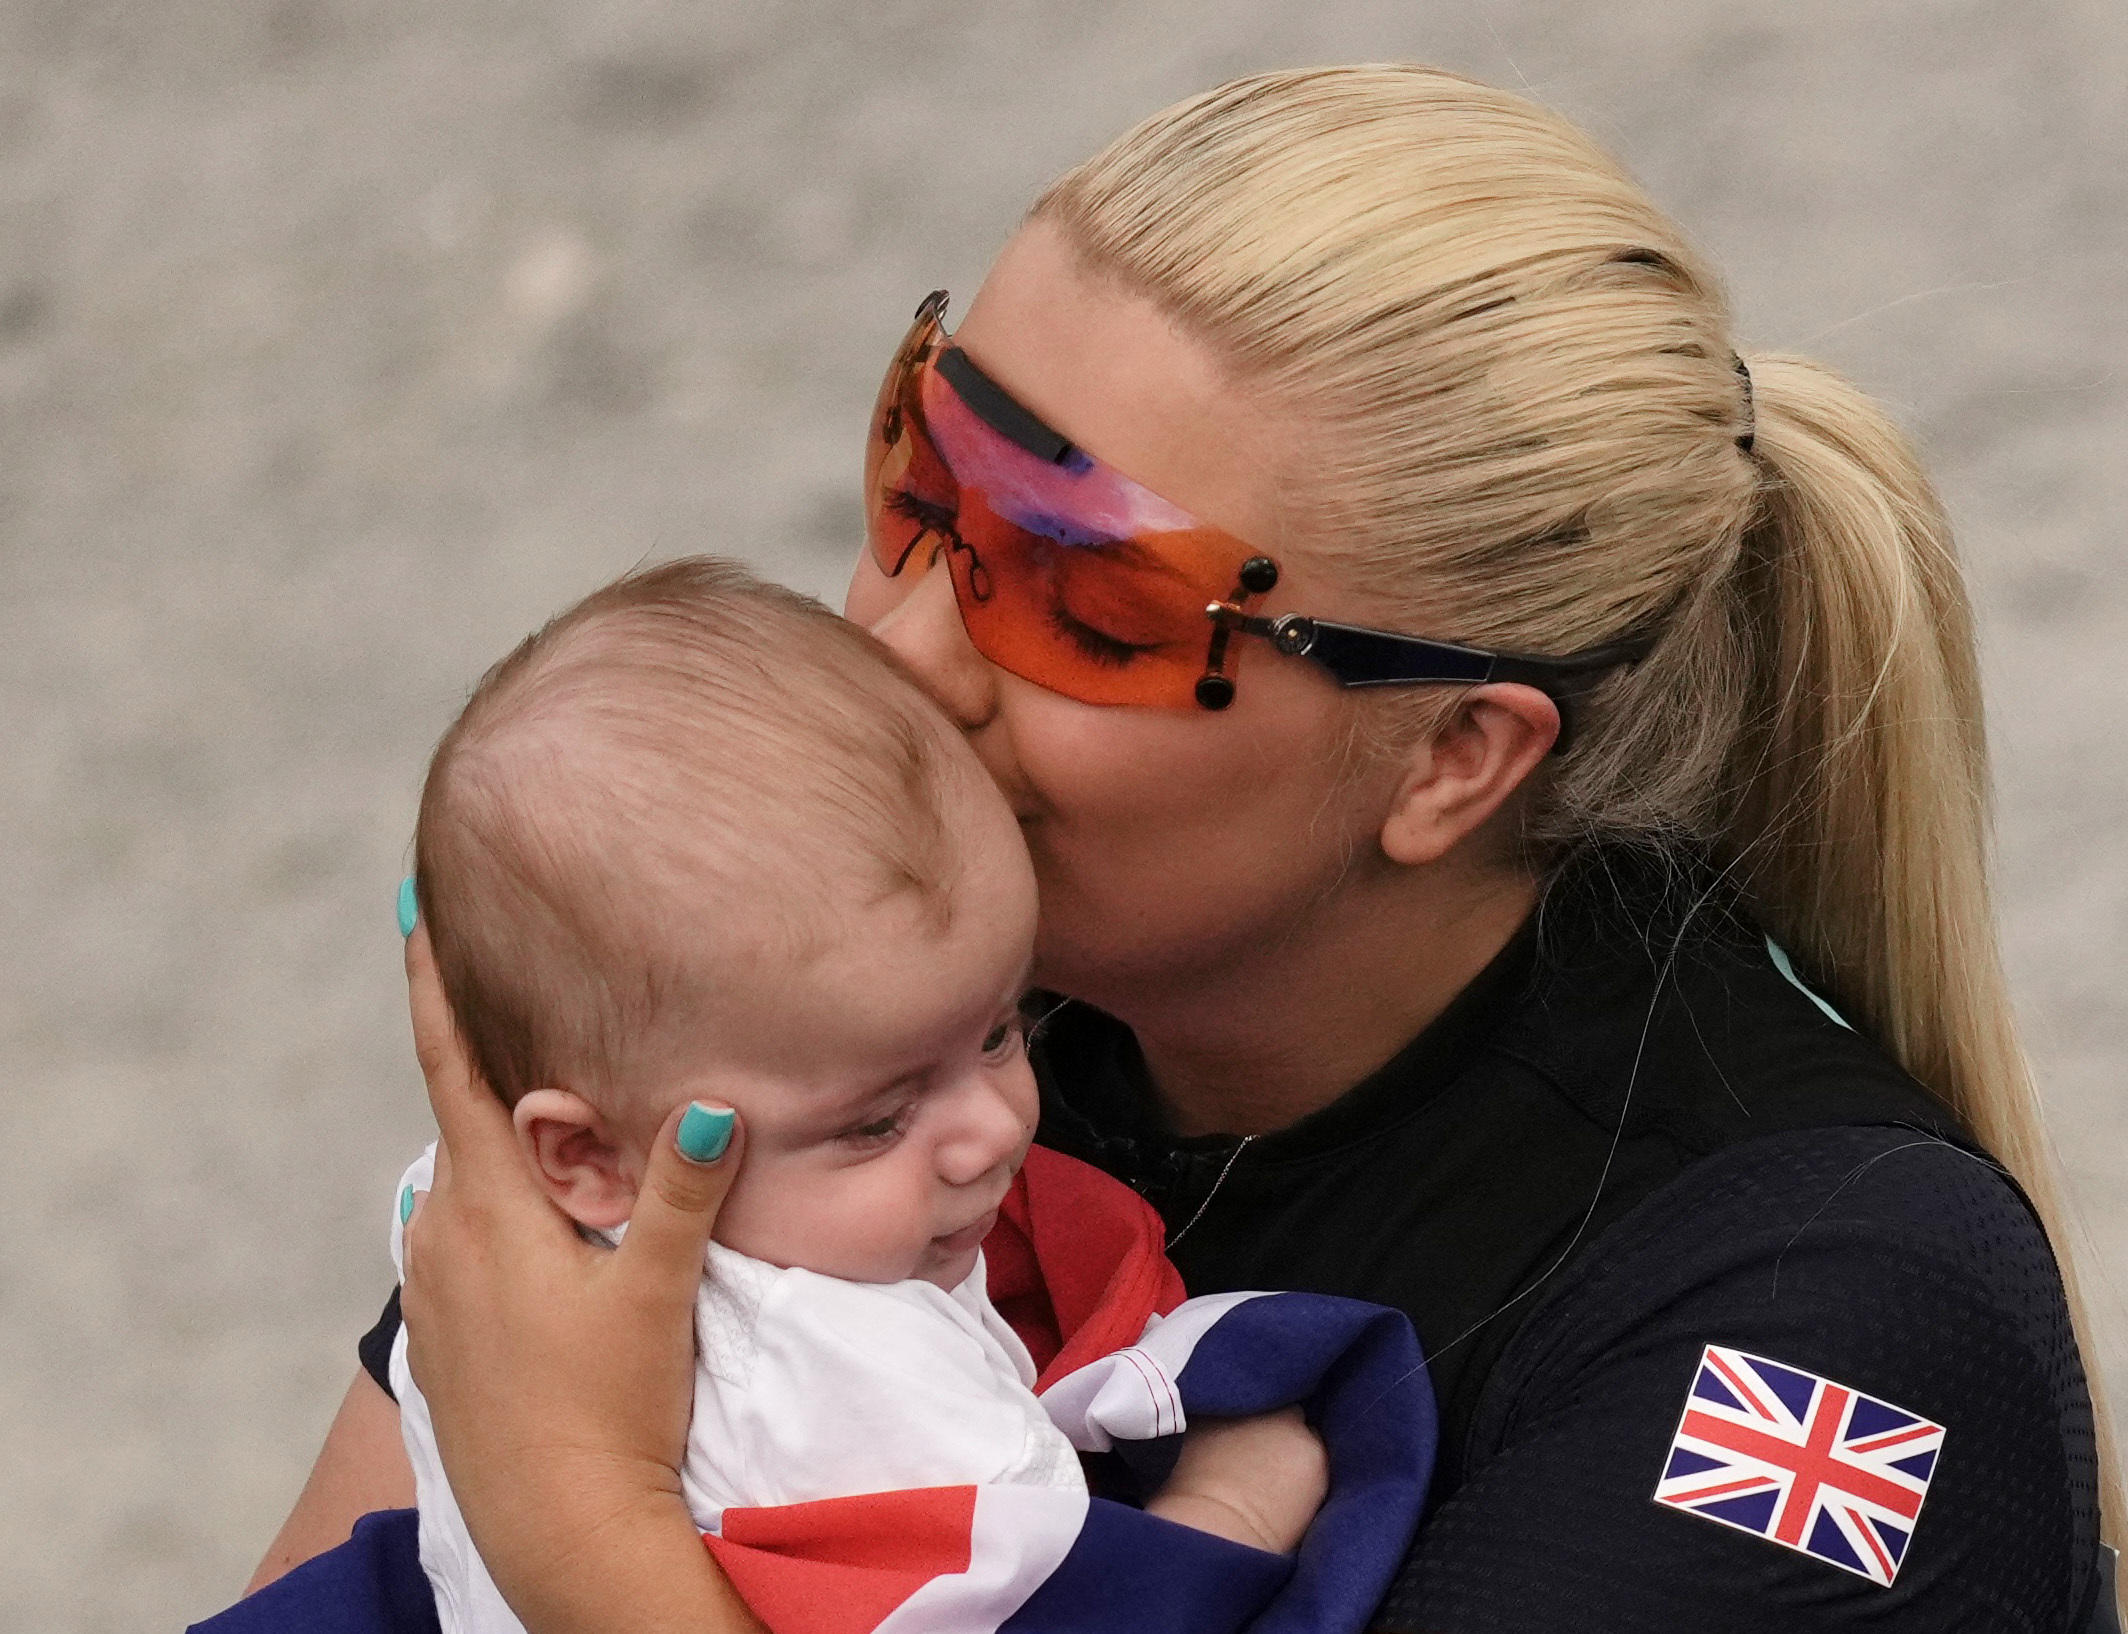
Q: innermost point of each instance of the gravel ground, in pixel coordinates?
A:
(341, 340)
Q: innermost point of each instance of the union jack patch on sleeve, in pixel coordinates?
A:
(1810, 1464)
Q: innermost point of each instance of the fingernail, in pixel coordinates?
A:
(406, 1203)
(705, 1131)
(409, 907)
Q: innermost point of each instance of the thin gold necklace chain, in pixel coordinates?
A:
(1233, 1157)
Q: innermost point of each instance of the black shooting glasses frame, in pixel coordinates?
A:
(1359, 657)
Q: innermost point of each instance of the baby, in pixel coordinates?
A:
(700, 840)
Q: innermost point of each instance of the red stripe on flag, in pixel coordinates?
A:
(1879, 1443)
(1813, 1466)
(842, 1565)
(1716, 1491)
(1869, 1536)
(1828, 1410)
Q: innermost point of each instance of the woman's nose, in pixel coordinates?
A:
(925, 630)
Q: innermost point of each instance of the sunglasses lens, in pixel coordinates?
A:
(905, 483)
(1068, 575)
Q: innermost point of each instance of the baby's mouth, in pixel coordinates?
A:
(969, 1236)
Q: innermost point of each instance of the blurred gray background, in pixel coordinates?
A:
(342, 340)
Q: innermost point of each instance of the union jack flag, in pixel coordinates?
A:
(1816, 1466)
(1075, 1264)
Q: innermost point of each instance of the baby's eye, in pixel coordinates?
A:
(1005, 1040)
(880, 1132)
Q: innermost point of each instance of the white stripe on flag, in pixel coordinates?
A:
(1130, 1394)
(1020, 1535)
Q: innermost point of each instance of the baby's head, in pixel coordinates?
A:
(700, 839)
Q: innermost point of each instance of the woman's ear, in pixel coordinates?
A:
(1455, 780)
(576, 1153)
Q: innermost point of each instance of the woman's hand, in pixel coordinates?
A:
(559, 1375)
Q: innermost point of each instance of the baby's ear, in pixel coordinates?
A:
(576, 1153)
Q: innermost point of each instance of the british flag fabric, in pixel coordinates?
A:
(1025, 1560)
(1076, 1266)
(1802, 1461)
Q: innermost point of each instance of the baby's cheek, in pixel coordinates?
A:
(755, 1219)
(875, 1225)
(862, 1222)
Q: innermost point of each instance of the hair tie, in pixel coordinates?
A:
(1749, 435)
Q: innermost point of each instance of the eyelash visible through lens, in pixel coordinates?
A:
(1097, 645)
(928, 516)
(942, 523)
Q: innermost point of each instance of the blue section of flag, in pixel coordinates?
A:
(1751, 1513)
(371, 1584)
(1683, 1462)
(1357, 1367)
(1871, 1418)
(1919, 1466)
(1130, 1570)
(1709, 1387)
(1795, 1389)
(1827, 1542)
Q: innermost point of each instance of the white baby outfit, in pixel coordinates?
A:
(806, 1386)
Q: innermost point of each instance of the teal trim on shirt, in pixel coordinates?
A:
(1781, 963)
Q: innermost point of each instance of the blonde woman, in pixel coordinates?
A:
(1504, 770)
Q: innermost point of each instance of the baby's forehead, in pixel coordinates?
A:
(832, 969)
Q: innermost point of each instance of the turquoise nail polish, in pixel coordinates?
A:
(409, 907)
(705, 1131)
(406, 1204)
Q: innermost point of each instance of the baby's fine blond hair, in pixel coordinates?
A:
(687, 775)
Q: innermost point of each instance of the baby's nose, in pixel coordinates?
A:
(989, 1132)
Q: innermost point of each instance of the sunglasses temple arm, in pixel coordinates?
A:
(1363, 657)
(1359, 657)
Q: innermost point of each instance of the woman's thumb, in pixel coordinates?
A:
(692, 1165)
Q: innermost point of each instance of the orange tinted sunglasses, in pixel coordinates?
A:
(1070, 575)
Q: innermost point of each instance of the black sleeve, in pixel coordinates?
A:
(1850, 1263)
(375, 1346)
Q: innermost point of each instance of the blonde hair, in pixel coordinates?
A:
(1528, 428)
(687, 770)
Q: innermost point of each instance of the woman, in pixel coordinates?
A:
(1455, 996)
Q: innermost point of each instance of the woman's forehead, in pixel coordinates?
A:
(1107, 369)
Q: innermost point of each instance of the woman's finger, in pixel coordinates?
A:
(469, 1116)
(692, 1165)
(410, 1202)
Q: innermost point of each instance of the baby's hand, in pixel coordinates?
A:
(1257, 1481)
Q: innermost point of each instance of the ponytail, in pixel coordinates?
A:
(1856, 787)
(1856, 799)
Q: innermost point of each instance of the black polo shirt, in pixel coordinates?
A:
(1631, 1139)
